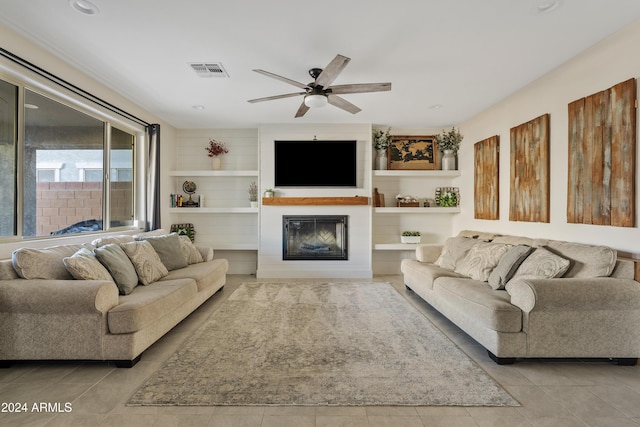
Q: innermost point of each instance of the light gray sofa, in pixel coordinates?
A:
(532, 298)
(47, 314)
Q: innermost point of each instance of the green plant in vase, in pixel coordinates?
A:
(448, 199)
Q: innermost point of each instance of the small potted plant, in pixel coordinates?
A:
(214, 150)
(448, 199)
(449, 143)
(410, 237)
(253, 194)
(269, 192)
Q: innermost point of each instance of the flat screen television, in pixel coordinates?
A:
(315, 164)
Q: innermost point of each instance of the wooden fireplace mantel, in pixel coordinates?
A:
(315, 201)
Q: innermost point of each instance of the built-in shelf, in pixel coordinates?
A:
(432, 210)
(214, 173)
(213, 210)
(229, 246)
(400, 246)
(417, 173)
(315, 201)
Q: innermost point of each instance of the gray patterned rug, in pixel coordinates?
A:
(343, 344)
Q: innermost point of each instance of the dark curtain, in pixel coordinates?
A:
(153, 178)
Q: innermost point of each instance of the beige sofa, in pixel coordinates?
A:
(532, 298)
(58, 304)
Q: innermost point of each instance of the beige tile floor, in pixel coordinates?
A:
(553, 393)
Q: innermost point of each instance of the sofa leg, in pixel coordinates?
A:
(626, 361)
(501, 360)
(127, 363)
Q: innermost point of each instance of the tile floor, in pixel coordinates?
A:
(552, 393)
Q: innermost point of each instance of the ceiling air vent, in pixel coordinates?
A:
(209, 69)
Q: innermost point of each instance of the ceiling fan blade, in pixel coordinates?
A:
(271, 98)
(302, 110)
(360, 88)
(339, 102)
(331, 71)
(282, 79)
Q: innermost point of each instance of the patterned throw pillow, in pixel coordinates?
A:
(119, 266)
(454, 251)
(145, 260)
(83, 265)
(191, 253)
(542, 263)
(481, 259)
(508, 265)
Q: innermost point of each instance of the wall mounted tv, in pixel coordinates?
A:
(315, 163)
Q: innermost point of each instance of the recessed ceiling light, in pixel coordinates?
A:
(198, 107)
(84, 6)
(436, 107)
(31, 106)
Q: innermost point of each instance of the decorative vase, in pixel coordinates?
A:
(449, 161)
(216, 163)
(381, 160)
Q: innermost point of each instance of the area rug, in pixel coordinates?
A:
(337, 344)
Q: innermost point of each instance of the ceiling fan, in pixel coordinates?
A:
(320, 92)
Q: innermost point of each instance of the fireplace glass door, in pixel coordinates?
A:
(313, 237)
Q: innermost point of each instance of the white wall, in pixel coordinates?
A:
(609, 62)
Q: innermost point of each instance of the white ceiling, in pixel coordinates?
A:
(462, 55)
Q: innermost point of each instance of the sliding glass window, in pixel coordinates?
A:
(8, 159)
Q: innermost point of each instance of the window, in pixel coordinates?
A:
(60, 156)
(8, 159)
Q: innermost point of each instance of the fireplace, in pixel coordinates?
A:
(314, 237)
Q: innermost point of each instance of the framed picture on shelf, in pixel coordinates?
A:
(413, 153)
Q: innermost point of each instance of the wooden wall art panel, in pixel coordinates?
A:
(602, 157)
(486, 190)
(529, 195)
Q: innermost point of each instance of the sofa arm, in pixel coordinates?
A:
(39, 296)
(428, 253)
(598, 293)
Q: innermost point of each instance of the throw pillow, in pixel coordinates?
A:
(481, 259)
(119, 266)
(542, 263)
(44, 263)
(169, 249)
(83, 265)
(123, 238)
(508, 265)
(191, 253)
(454, 251)
(145, 260)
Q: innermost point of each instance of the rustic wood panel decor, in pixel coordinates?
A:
(529, 198)
(486, 191)
(413, 153)
(602, 157)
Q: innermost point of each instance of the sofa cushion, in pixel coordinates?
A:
(191, 253)
(454, 251)
(119, 266)
(145, 260)
(508, 265)
(206, 274)
(83, 265)
(146, 305)
(483, 305)
(542, 263)
(44, 263)
(169, 250)
(586, 260)
(481, 259)
(7, 272)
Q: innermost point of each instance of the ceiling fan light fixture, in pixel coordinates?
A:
(315, 100)
(84, 6)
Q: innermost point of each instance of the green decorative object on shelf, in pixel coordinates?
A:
(448, 197)
(410, 237)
